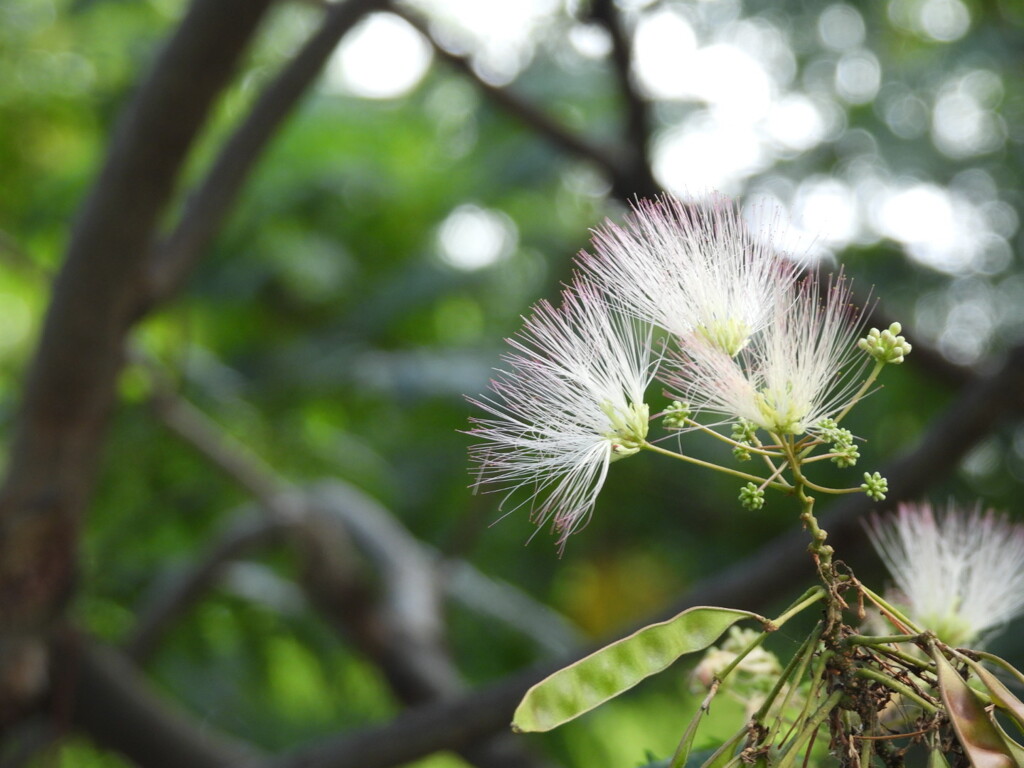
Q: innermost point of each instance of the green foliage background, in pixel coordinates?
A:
(325, 332)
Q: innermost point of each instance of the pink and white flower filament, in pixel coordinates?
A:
(690, 269)
(571, 403)
(958, 573)
(796, 372)
(746, 341)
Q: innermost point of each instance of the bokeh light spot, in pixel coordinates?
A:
(383, 57)
(472, 238)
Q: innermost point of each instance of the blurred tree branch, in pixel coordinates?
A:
(115, 705)
(640, 181)
(71, 381)
(174, 596)
(613, 162)
(174, 257)
(400, 626)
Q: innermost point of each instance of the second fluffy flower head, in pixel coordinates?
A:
(958, 573)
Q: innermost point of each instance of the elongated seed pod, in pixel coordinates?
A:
(615, 668)
(982, 743)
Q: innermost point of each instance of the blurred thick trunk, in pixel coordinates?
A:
(73, 376)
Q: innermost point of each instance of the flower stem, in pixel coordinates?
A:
(875, 640)
(811, 726)
(716, 467)
(880, 677)
(819, 549)
(797, 664)
(894, 614)
(887, 645)
(810, 597)
(718, 435)
(993, 659)
(832, 491)
(879, 365)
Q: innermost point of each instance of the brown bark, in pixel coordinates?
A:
(72, 379)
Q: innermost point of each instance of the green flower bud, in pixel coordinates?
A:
(744, 431)
(845, 456)
(842, 443)
(751, 497)
(741, 452)
(886, 346)
(875, 486)
(827, 425)
(675, 416)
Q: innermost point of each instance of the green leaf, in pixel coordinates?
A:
(981, 741)
(606, 673)
(937, 760)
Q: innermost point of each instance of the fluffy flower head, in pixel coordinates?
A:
(570, 404)
(690, 269)
(797, 371)
(959, 573)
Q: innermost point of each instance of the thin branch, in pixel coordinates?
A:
(447, 724)
(70, 386)
(210, 203)
(234, 460)
(638, 113)
(398, 626)
(387, 543)
(607, 158)
(506, 603)
(406, 634)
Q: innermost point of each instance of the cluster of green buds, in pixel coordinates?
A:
(886, 346)
(744, 434)
(676, 415)
(845, 453)
(751, 497)
(875, 486)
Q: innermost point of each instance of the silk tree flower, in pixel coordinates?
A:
(801, 368)
(690, 269)
(571, 403)
(958, 573)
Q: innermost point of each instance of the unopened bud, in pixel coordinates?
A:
(751, 497)
(875, 486)
(676, 415)
(886, 346)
